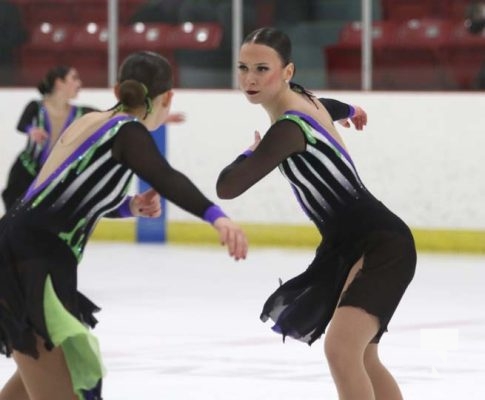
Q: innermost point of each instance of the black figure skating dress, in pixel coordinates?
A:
(42, 239)
(352, 222)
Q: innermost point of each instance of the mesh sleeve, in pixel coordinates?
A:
(135, 148)
(283, 139)
(29, 117)
(336, 109)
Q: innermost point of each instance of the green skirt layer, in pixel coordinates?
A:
(80, 347)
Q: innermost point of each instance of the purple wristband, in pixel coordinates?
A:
(212, 213)
(124, 209)
(28, 128)
(247, 153)
(352, 111)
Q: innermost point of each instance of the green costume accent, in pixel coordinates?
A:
(67, 237)
(307, 130)
(29, 164)
(80, 347)
(26, 157)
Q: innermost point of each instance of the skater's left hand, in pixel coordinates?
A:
(146, 204)
(359, 120)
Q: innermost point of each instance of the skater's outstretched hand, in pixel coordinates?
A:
(146, 204)
(232, 236)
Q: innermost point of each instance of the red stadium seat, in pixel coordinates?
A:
(147, 37)
(427, 32)
(90, 11)
(415, 60)
(455, 9)
(89, 53)
(90, 36)
(46, 48)
(51, 37)
(402, 10)
(409, 55)
(383, 32)
(344, 58)
(195, 36)
(343, 66)
(127, 9)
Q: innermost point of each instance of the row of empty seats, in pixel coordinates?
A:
(408, 9)
(413, 32)
(410, 52)
(86, 46)
(96, 10)
(427, 54)
(153, 36)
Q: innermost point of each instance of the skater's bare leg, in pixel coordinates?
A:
(14, 389)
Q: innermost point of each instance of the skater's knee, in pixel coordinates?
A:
(371, 358)
(339, 356)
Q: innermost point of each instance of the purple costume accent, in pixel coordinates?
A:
(323, 131)
(212, 213)
(28, 128)
(79, 151)
(124, 210)
(47, 126)
(352, 111)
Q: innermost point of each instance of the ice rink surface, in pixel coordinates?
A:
(181, 322)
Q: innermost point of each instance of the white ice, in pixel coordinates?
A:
(180, 322)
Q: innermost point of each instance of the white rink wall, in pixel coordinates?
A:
(421, 153)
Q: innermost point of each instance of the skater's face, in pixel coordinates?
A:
(262, 74)
(71, 84)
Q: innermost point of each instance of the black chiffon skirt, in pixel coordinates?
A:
(19, 180)
(303, 306)
(27, 258)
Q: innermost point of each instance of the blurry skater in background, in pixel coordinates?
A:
(43, 317)
(367, 256)
(43, 121)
